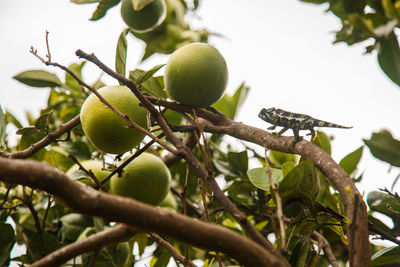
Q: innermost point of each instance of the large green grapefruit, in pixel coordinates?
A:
(196, 75)
(104, 128)
(95, 166)
(146, 179)
(145, 19)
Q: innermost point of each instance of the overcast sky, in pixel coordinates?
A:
(282, 49)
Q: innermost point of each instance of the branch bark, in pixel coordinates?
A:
(51, 137)
(91, 243)
(356, 211)
(149, 218)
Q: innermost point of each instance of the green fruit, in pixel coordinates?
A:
(145, 19)
(95, 166)
(169, 202)
(196, 75)
(146, 179)
(104, 128)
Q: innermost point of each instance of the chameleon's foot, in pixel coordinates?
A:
(295, 140)
(312, 133)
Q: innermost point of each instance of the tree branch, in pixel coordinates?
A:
(175, 254)
(184, 152)
(94, 242)
(356, 211)
(149, 218)
(51, 137)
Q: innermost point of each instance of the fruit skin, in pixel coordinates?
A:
(145, 179)
(147, 18)
(196, 75)
(91, 165)
(104, 128)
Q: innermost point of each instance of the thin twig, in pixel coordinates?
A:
(5, 196)
(175, 254)
(46, 212)
(126, 162)
(93, 242)
(96, 182)
(281, 218)
(51, 137)
(131, 123)
(327, 249)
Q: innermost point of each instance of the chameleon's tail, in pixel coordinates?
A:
(329, 124)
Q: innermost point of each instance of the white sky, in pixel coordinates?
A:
(282, 49)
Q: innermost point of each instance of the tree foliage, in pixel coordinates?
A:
(230, 203)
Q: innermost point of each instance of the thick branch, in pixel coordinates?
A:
(356, 211)
(114, 208)
(91, 243)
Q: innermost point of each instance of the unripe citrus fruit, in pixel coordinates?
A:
(145, 178)
(145, 19)
(95, 166)
(196, 75)
(104, 128)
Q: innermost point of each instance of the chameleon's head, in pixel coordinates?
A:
(266, 114)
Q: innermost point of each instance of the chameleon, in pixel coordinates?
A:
(294, 121)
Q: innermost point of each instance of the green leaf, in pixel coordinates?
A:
(323, 141)
(120, 55)
(12, 119)
(279, 158)
(30, 130)
(239, 97)
(389, 57)
(153, 85)
(384, 203)
(299, 254)
(301, 182)
(241, 191)
(386, 256)
(140, 4)
(79, 149)
(163, 260)
(43, 121)
(384, 147)
(230, 105)
(102, 8)
(238, 162)
(72, 84)
(141, 240)
(38, 78)
(73, 224)
(7, 241)
(147, 74)
(259, 178)
(349, 163)
(58, 159)
(287, 167)
(120, 253)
